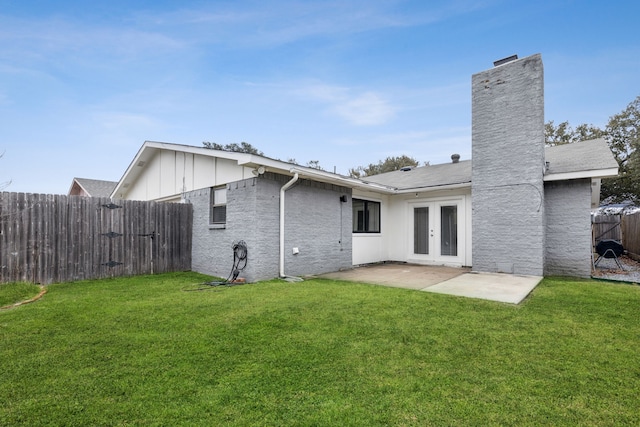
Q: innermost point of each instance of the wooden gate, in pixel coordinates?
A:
(55, 238)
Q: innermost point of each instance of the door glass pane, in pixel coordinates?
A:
(421, 230)
(449, 230)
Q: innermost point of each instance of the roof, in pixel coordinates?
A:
(150, 148)
(442, 175)
(585, 159)
(95, 187)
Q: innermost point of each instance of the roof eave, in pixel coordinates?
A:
(341, 180)
(73, 183)
(596, 173)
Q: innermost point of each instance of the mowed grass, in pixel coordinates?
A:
(12, 293)
(142, 351)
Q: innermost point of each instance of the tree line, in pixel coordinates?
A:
(622, 134)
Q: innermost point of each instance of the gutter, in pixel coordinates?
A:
(283, 189)
(597, 173)
(342, 181)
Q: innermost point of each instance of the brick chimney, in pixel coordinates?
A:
(507, 167)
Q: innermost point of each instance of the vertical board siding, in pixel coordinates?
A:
(55, 238)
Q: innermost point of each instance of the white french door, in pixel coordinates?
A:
(436, 232)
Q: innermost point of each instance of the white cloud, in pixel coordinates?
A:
(366, 109)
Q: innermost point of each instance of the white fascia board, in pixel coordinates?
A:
(231, 155)
(127, 173)
(341, 180)
(598, 173)
(252, 160)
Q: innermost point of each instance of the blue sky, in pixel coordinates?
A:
(347, 83)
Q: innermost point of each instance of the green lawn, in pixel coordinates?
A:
(142, 351)
(12, 293)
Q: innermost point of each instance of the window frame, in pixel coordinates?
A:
(216, 205)
(366, 218)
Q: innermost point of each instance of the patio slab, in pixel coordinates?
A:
(398, 275)
(500, 287)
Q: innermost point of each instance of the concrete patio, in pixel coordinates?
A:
(499, 287)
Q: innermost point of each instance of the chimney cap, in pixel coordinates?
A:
(455, 158)
(505, 60)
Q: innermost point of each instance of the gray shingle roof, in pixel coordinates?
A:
(585, 156)
(96, 187)
(426, 176)
(580, 156)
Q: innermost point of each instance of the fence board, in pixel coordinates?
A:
(631, 233)
(606, 227)
(55, 238)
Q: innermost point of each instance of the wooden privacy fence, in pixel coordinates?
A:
(623, 228)
(631, 234)
(606, 227)
(48, 238)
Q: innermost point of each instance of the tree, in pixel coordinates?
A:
(389, 164)
(622, 134)
(565, 134)
(243, 147)
(315, 164)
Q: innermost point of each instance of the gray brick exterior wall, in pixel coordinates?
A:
(316, 222)
(319, 224)
(568, 236)
(507, 171)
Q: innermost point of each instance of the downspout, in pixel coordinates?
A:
(284, 188)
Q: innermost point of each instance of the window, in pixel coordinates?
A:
(218, 205)
(366, 216)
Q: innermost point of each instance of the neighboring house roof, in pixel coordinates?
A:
(585, 159)
(91, 187)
